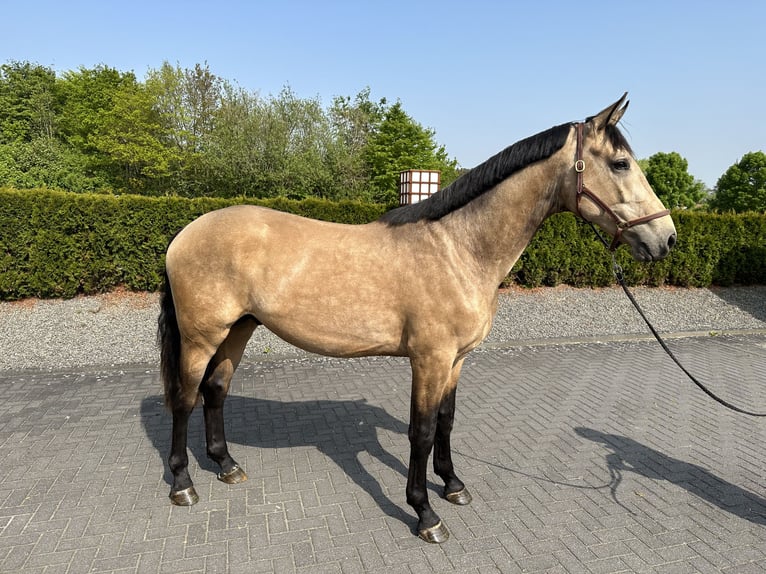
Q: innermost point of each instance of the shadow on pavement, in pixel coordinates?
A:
(631, 456)
(751, 300)
(339, 429)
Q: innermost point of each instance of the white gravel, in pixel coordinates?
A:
(120, 328)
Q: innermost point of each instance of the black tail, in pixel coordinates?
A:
(169, 341)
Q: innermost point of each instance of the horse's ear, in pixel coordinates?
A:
(611, 115)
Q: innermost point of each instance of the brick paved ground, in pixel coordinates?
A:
(584, 458)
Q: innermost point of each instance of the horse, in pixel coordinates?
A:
(420, 282)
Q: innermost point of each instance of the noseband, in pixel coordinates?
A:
(621, 224)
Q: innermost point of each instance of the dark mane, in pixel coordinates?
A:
(483, 177)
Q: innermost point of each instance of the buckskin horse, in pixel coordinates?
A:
(419, 282)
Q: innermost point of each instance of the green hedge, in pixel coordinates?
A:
(712, 249)
(57, 244)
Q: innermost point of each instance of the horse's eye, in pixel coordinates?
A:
(621, 165)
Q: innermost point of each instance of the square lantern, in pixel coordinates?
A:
(417, 184)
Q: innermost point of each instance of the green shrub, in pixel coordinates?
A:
(720, 249)
(58, 244)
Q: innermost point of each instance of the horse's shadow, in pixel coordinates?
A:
(341, 430)
(631, 456)
(746, 298)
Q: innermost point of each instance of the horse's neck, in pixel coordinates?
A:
(495, 228)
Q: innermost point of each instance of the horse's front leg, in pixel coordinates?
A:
(430, 383)
(454, 489)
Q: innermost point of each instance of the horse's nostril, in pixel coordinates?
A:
(672, 241)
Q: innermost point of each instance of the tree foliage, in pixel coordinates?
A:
(668, 175)
(353, 123)
(743, 186)
(190, 133)
(400, 143)
(28, 101)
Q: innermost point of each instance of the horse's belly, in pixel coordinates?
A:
(328, 317)
(333, 309)
(333, 339)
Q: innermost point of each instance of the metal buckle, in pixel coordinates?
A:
(579, 165)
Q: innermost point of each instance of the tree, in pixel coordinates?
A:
(32, 153)
(189, 132)
(228, 162)
(290, 146)
(743, 186)
(28, 102)
(131, 139)
(300, 138)
(266, 148)
(400, 144)
(668, 175)
(109, 117)
(353, 123)
(187, 101)
(86, 94)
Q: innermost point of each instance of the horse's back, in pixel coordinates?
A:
(239, 222)
(235, 234)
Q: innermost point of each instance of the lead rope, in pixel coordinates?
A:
(618, 274)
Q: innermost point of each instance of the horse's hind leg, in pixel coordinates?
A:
(207, 371)
(182, 404)
(214, 389)
(182, 492)
(454, 489)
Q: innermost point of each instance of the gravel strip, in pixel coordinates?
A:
(119, 328)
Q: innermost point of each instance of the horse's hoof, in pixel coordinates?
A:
(234, 476)
(436, 534)
(461, 497)
(185, 497)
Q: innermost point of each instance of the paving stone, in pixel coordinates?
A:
(580, 458)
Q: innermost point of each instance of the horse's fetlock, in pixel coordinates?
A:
(218, 453)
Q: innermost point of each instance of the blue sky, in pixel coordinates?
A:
(483, 74)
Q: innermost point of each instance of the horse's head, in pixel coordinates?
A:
(610, 190)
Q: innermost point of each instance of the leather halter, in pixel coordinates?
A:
(582, 190)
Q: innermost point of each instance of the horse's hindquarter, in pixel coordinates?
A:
(343, 290)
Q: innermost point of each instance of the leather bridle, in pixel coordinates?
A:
(582, 190)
